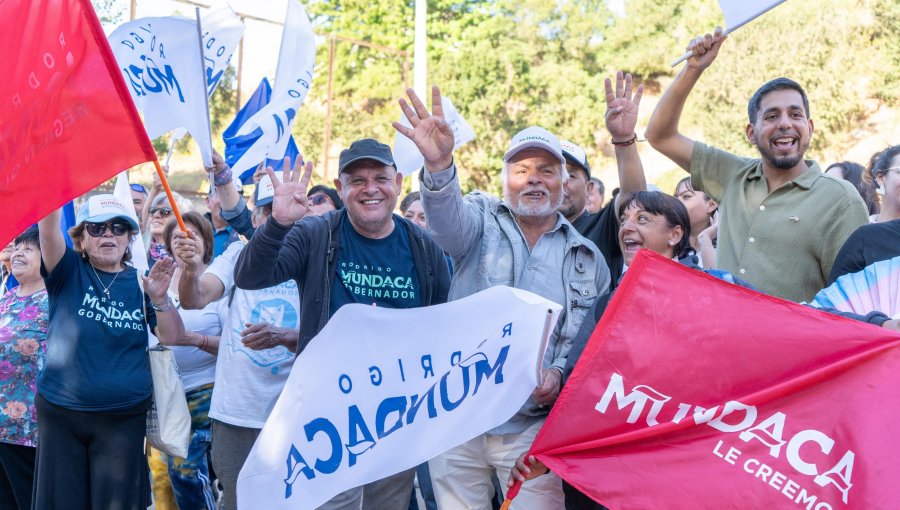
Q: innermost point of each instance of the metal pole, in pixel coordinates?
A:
(420, 59)
(327, 146)
(240, 72)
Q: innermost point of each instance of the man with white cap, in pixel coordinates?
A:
(521, 241)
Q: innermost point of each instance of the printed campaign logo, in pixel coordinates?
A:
(370, 281)
(278, 312)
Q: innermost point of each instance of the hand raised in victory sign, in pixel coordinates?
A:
(430, 132)
(622, 108)
(289, 203)
(705, 49)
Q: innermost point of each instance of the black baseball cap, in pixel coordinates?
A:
(367, 148)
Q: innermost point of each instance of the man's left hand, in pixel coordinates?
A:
(548, 391)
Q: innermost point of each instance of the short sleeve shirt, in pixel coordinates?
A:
(23, 341)
(96, 346)
(783, 242)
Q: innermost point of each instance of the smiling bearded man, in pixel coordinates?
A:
(782, 220)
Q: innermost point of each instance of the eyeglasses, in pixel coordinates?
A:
(163, 211)
(139, 188)
(97, 229)
(319, 199)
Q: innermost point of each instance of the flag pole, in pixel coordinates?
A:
(688, 54)
(212, 186)
(511, 494)
(165, 183)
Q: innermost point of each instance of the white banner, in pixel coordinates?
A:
(294, 76)
(163, 68)
(407, 155)
(740, 12)
(222, 32)
(380, 390)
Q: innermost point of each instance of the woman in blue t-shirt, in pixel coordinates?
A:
(94, 391)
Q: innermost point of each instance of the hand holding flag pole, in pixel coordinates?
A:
(737, 14)
(168, 190)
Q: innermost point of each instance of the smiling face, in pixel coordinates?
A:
(416, 214)
(700, 207)
(782, 130)
(533, 183)
(160, 216)
(369, 190)
(575, 193)
(641, 229)
(25, 262)
(107, 251)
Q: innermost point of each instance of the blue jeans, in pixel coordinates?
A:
(190, 476)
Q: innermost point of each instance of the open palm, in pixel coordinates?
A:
(430, 132)
(289, 203)
(622, 107)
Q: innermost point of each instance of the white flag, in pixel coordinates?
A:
(122, 191)
(407, 155)
(163, 67)
(381, 390)
(292, 81)
(222, 32)
(740, 12)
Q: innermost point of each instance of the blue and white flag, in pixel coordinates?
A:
(293, 78)
(222, 32)
(236, 145)
(381, 390)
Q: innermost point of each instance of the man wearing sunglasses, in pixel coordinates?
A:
(139, 198)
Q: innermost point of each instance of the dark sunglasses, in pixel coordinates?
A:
(163, 211)
(97, 229)
(139, 188)
(319, 199)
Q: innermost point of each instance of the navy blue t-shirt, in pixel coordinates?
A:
(96, 347)
(379, 271)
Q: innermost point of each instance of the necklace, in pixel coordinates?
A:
(105, 287)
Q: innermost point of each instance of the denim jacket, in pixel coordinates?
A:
(487, 248)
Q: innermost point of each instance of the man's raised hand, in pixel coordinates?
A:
(705, 49)
(621, 107)
(289, 203)
(430, 132)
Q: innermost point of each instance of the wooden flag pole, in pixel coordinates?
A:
(165, 183)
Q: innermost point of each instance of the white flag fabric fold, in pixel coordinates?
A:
(122, 191)
(222, 32)
(740, 12)
(293, 77)
(163, 68)
(407, 155)
(380, 390)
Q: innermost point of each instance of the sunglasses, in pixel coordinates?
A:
(97, 229)
(139, 188)
(163, 211)
(319, 199)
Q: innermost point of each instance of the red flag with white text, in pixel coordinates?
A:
(697, 393)
(67, 121)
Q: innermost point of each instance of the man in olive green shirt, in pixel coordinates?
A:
(782, 221)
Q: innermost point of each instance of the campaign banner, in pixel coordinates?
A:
(407, 155)
(380, 390)
(696, 393)
(293, 77)
(222, 32)
(67, 121)
(162, 64)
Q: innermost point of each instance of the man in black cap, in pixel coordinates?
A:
(332, 257)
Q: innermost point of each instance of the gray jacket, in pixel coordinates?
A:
(488, 248)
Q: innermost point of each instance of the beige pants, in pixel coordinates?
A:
(462, 476)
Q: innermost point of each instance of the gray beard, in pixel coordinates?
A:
(536, 212)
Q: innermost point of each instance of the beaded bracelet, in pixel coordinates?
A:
(222, 178)
(165, 307)
(626, 142)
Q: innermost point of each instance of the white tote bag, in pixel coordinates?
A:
(168, 420)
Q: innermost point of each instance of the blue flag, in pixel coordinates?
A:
(68, 221)
(236, 146)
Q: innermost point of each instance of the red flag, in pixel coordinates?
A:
(696, 393)
(67, 122)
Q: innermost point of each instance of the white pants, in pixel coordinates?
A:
(462, 476)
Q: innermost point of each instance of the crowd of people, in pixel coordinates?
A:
(240, 292)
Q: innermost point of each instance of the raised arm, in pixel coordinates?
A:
(273, 256)
(169, 326)
(196, 289)
(621, 120)
(53, 244)
(662, 131)
(223, 180)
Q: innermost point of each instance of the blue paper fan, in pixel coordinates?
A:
(875, 288)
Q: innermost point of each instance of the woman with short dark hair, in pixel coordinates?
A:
(94, 391)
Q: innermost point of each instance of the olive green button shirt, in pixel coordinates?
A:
(783, 242)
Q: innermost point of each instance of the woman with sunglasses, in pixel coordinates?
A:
(159, 215)
(879, 240)
(94, 391)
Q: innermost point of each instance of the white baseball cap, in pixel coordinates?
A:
(576, 155)
(102, 208)
(265, 191)
(534, 137)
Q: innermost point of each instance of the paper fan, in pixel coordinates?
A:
(875, 288)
